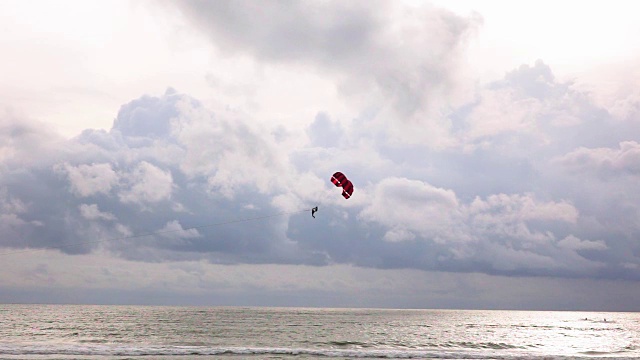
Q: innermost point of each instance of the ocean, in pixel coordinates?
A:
(187, 333)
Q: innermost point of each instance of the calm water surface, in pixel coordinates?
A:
(137, 332)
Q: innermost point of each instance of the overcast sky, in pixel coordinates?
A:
(165, 152)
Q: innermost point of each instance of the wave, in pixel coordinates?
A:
(143, 351)
(480, 345)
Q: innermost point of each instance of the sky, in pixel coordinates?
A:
(168, 152)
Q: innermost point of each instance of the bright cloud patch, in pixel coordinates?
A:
(409, 205)
(605, 161)
(523, 208)
(147, 184)
(86, 180)
(91, 212)
(573, 243)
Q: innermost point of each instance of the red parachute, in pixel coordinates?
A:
(339, 179)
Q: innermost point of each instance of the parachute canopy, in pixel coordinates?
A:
(340, 180)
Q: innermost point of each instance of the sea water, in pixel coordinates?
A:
(140, 332)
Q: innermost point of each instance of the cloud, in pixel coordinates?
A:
(324, 132)
(505, 233)
(86, 180)
(92, 212)
(227, 152)
(147, 184)
(503, 180)
(12, 222)
(25, 140)
(401, 61)
(173, 229)
(613, 87)
(508, 215)
(215, 166)
(148, 116)
(572, 242)
(605, 162)
(407, 206)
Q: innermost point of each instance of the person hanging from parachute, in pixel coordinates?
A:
(339, 180)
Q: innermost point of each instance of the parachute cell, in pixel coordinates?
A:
(338, 178)
(347, 189)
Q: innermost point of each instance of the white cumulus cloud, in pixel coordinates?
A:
(89, 179)
(146, 183)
